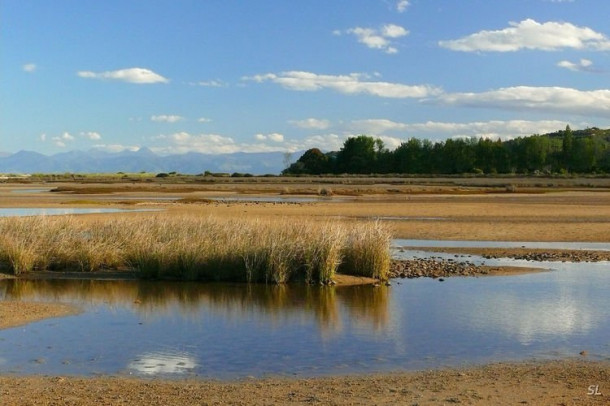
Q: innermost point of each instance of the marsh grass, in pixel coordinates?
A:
(197, 248)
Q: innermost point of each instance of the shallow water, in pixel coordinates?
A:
(23, 212)
(230, 331)
(601, 246)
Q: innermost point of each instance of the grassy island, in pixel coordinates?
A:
(197, 248)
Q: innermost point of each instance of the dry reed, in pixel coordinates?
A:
(196, 248)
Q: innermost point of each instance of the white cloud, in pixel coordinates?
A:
(347, 84)
(530, 34)
(62, 140)
(116, 147)
(210, 83)
(548, 99)
(204, 120)
(275, 137)
(131, 75)
(29, 67)
(92, 135)
(394, 31)
(378, 38)
(402, 5)
(183, 142)
(312, 123)
(43, 137)
(165, 118)
(582, 65)
(486, 129)
(326, 142)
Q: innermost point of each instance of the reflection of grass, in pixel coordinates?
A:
(366, 304)
(195, 248)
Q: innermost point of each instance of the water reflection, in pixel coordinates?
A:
(231, 331)
(163, 363)
(152, 299)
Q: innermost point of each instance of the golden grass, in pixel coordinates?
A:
(197, 248)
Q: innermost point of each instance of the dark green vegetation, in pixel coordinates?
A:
(582, 151)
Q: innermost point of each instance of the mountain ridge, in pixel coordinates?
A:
(142, 160)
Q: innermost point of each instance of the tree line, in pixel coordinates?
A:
(565, 151)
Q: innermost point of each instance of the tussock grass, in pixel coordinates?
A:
(197, 248)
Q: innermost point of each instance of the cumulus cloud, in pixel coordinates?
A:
(275, 137)
(204, 120)
(311, 123)
(530, 34)
(29, 67)
(62, 140)
(378, 38)
(92, 135)
(131, 75)
(166, 118)
(183, 142)
(402, 5)
(353, 83)
(486, 129)
(548, 99)
(584, 65)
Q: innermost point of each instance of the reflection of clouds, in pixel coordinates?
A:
(531, 319)
(159, 363)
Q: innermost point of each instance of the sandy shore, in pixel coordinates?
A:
(571, 382)
(14, 313)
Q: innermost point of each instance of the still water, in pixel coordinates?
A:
(231, 331)
(24, 212)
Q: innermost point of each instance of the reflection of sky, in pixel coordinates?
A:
(529, 319)
(163, 363)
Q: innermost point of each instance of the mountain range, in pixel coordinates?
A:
(143, 160)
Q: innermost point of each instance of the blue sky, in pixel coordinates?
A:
(224, 76)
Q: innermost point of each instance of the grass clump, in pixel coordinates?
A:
(196, 248)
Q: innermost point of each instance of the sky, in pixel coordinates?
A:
(223, 76)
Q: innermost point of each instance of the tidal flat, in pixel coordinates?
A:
(555, 210)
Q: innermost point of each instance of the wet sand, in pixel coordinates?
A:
(13, 313)
(572, 382)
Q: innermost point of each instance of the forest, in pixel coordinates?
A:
(566, 151)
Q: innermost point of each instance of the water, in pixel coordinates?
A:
(597, 246)
(35, 190)
(22, 212)
(231, 331)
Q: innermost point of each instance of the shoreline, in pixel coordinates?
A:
(569, 381)
(15, 313)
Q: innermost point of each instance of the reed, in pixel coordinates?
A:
(196, 248)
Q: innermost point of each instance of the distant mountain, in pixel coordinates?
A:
(95, 161)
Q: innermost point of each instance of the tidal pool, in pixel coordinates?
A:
(228, 331)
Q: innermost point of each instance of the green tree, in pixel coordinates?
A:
(313, 162)
(358, 155)
(567, 147)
